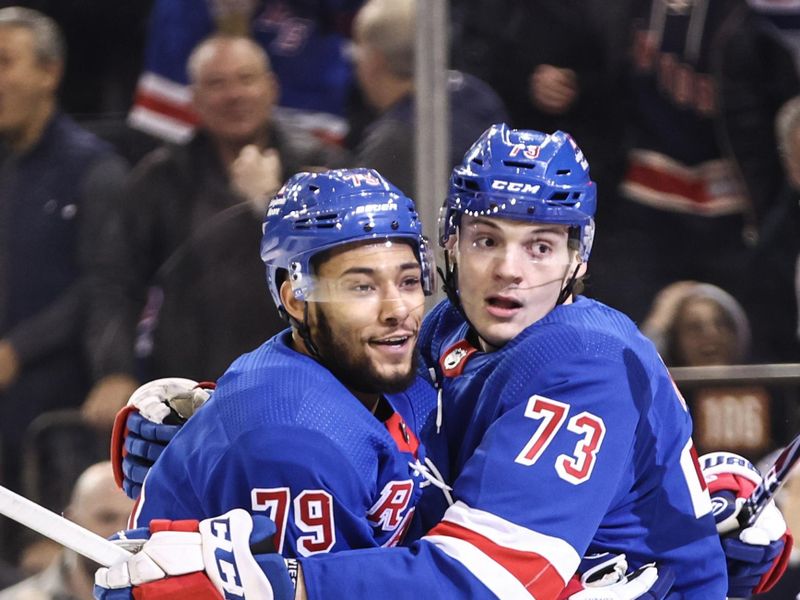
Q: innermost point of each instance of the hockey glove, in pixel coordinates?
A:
(205, 560)
(605, 577)
(757, 555)
(142, 429)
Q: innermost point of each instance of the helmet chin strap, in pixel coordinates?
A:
(450, 284)
(303, 329)
(566, 291)
(569, 286)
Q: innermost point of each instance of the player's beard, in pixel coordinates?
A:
(356, 373)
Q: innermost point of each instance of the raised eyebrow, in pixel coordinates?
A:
(538, 229)
(482, 221)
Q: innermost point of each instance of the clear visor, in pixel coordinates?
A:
(388, 271)
(537, 244)
(523, 257)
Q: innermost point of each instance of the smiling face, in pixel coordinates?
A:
(365, 313)
(233, 89)
(510, 273)
(704, 334)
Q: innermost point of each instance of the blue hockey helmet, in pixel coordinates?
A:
(314, 212)
(523, 175)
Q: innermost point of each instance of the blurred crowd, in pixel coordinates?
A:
(139, 142)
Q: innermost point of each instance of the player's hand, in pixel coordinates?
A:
(757, 555)
(142, 429)
(606, 577)
(205, 560)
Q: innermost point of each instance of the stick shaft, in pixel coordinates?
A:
(772, 481)
(59, 529)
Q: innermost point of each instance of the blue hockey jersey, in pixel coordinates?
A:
(283, 437)
(571, 439)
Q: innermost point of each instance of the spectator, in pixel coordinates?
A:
(384, 56)
(701, 83)
(771, 298)
(548, 62)
(57, 185)
(96, 504)
(698, 324)
(190, 221)
(304, 40)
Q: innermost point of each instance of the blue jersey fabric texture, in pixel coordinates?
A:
(570, 439)
(283, 437)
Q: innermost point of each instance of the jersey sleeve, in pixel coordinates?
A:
(296, 477)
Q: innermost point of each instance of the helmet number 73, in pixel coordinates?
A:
(551, 414)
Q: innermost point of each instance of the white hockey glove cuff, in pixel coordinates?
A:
(170, 398)
(218, 548)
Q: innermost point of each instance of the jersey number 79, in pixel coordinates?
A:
(551, 414)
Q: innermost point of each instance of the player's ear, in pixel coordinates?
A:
(581, 269)
(450, 248)
(292, 305)
(577, 262)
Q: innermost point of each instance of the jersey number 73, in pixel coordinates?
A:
(551, 414)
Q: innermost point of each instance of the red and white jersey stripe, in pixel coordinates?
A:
(709, 188)
(511, 560)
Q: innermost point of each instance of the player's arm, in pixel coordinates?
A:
(528, 500)
(296, 476)
(232, 554)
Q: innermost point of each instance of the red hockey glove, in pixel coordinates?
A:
(191, 560)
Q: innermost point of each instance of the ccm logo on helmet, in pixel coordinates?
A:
(514, 186)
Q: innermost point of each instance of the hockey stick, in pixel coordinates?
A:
(59, 529)
(772, 481)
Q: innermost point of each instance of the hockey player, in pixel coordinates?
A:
(316, 428)
(565, 432)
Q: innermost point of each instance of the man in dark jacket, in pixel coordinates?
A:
(189, 222)
(57, 182)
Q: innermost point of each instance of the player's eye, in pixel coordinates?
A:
(411, 282)
(362, 288)
(484, 242)
(540, 247)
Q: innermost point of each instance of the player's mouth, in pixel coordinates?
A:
(502, 306)
(398, 343)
